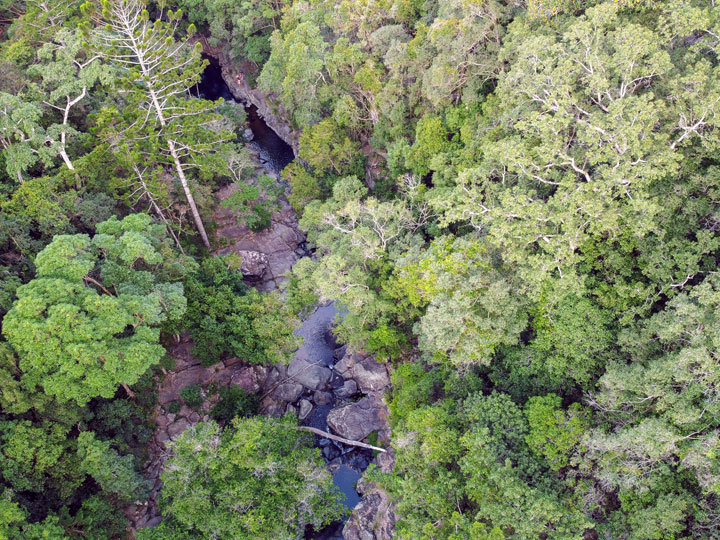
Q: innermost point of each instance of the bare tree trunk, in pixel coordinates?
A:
(340, 439)
(70, 103)
(66, 159)
(142, 62)
(130, 393)
(188, 194)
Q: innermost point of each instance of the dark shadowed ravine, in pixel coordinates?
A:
(272, 149)
(345, 462)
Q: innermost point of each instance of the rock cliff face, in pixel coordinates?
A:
(267, 105)
(373, 518)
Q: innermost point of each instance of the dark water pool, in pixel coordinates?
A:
(347, 462)
(273, 150)
(345, 479)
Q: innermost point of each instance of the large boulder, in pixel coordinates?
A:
(309, 374)
(349, 389)
(370, 375)
(305, 409)
(372, 518)
(254, 264)
(358, 420)
(177, 427)
(272, 407)
(288, 392)
(346, 364)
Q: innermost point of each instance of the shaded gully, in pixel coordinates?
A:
(326, 386)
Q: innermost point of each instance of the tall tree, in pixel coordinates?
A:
(159, 123)
(89, 321)
(260, 478)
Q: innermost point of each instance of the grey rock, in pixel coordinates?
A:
(277, 374)
(185, 411)
(161, 420)
(386, 461)
(153, 522)
(312, 376)
(335, 464)
(347, 363)
(305, 409)
(322, 398)
(248, 134)
(288, 392)
(254, 264)
(340, 352)
(172, 384)
(291, 409)
(349, 388)
(357, 420)
(372, 519)
(370, 375)
(177, 427)
(271, 407)
(330, 452)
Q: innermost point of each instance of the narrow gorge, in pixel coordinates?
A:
(328, 387)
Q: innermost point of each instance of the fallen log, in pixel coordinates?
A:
(339, 439)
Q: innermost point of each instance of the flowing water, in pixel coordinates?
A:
(348, 462)
(272, 149)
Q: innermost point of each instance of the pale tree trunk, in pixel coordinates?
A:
(129, 392)
(156, 207)
(176, 158)
(131, 43)
(339, 439)
(66, 113)
(188, 194)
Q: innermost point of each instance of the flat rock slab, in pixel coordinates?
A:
(309, 374)
(358, 420)
(170, 387)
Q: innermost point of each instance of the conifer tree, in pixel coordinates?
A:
(159, 123)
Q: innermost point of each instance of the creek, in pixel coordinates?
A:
(346, 463)
(273, 151)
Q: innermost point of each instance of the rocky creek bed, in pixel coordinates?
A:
(325, 385)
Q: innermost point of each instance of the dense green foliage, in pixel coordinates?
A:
(77, 342)
(535, 230)
(515, 204)
(225, 317)
(95, 130)
(257, 478)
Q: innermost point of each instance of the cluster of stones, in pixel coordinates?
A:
(354, 384)
(348, 394)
